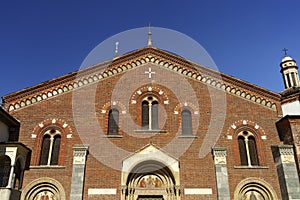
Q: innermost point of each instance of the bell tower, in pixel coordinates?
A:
(290, 96)
(288, 128)
(289, 72)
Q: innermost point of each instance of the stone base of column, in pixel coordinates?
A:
(287, 171)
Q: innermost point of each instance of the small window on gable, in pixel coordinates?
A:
(113, 122)
(154, 113)
(145, 115)
(186, 122)
(150, 113)
(247, 149)
(55, 151)
(50, 148)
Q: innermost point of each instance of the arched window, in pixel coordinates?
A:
(113, 122)
(243, 151)
(252, 150)
(150, 113)
(45, 150)
(247, 149)
(5, 167)
(145, 115)
(55, 151)
(186, 122)
(154, 113)
(50, 148)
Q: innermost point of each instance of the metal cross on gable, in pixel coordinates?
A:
(150, 72)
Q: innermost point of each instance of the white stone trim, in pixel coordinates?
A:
(82, 81)
(197, 191)
(102, 191)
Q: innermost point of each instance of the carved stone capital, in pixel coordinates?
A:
(219, 154)
(284, 153)
(286, 149)
(79, 154)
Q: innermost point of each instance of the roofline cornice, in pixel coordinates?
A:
(133, 59)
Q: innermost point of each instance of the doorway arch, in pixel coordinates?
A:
(150, 174)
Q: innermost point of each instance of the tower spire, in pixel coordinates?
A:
(149, 36)
(117, 49)
(285, 51)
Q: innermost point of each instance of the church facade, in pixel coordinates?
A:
(150, 125)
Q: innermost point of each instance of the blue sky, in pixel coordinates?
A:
(41, 40)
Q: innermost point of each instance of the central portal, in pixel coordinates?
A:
(144, 197)
(150, 174)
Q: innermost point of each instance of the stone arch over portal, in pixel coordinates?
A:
(150, 172)
(254, 188)
(44, 187)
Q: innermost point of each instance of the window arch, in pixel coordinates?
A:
(50, 147)
(5, 166)
(186, 122)
(247, 149)
(113, 122)
(150, 113)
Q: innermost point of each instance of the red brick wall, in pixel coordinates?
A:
(195, 172)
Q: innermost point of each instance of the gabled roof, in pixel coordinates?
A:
(134, 59)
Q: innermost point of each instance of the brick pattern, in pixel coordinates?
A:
(195, 171)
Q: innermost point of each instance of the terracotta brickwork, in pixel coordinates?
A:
(93, 102)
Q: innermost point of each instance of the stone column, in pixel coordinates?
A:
(219, 154)
(78, 173)
(177, 189)
(287, 171)
(123, 191)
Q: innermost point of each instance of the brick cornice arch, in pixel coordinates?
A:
(149, 89)
(98, 72)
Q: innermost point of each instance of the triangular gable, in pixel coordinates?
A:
(104, 70)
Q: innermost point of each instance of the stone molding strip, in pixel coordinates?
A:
(206, 76)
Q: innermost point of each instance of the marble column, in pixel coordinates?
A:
(78, 173)
(287, 171)
(220, 163)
